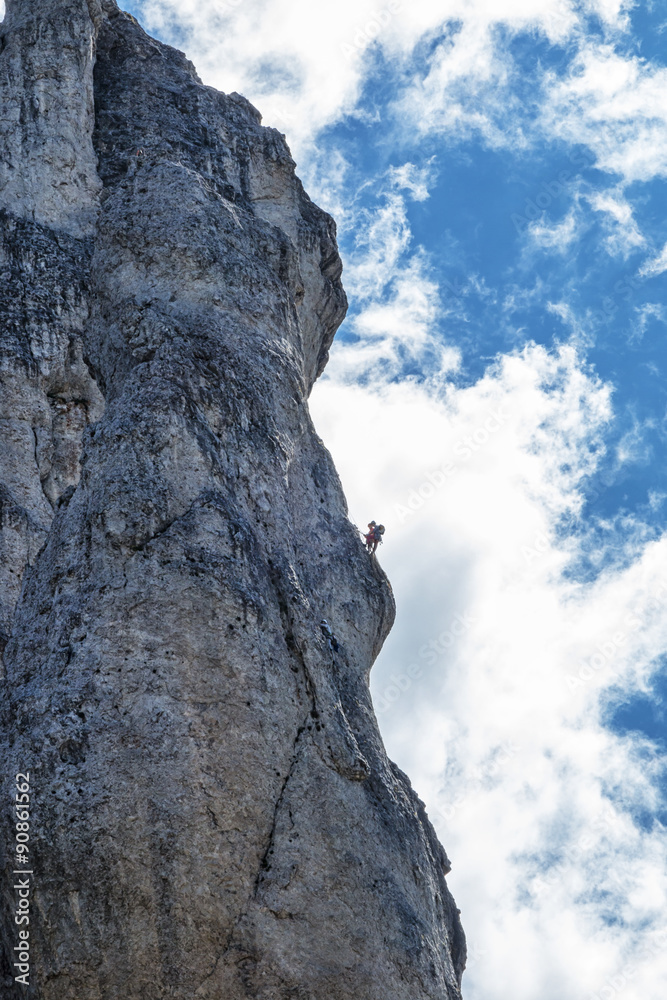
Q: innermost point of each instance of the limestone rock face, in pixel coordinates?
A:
(215, 816)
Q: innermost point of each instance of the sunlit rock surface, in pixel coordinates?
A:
(215, 816)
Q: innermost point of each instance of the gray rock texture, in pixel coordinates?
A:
(215, 816)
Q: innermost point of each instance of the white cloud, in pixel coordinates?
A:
(615, 105)
(649, 312)
(396, 328)
(558, 237)
(565, 313)
(634, 447)
(383, 237)
(656, 499)
(623, 235)
(397, 319)
(466, 88)
(658, 265)
(501, 733)
(469, 86)
(414, 179)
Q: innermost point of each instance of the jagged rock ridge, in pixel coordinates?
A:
(216, 816)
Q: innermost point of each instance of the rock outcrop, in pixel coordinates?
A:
(214, 815)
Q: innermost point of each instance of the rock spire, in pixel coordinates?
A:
(213, 814)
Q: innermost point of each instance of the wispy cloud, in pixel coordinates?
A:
(656, 265)
(416, 180)
(558, 237)
(395, 321)
(623, 236)
(644, 315)
(614, 104)
(383, 237)
(398, 330)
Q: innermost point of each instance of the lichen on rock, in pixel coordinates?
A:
(216, 815)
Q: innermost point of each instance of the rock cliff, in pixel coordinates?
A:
(213, 812)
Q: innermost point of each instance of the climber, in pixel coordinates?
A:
(328, 634)
(374, 537)
(377, 535)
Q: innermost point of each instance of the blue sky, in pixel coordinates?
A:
(497, 397)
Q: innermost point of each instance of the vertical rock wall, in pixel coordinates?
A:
(215, 815)
(49, 197)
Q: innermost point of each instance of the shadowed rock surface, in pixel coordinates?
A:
(215, 816)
